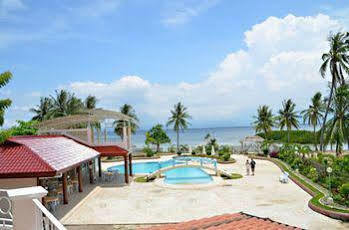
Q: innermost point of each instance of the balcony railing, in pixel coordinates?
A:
(6, 224)
(49, 222)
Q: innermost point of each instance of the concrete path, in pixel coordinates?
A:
(261, 195)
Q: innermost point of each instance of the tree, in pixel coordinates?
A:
(157, 136)
(24, 128)
(179, 119)
(288, 117)
(90, 102)
(4, 103)
(336, 60)
(314, 114)
(65, 103)
(264, 121)
(337, 126)
(207, 137)
(129, 111)
(42, 110)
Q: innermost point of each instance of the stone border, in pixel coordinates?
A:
(217, 181)
(330, 213)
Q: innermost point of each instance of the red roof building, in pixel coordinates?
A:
(237, 221)
(39, 156)
(33, 157)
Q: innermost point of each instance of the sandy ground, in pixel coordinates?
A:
(261, 195)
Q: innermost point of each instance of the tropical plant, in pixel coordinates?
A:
(314, 114)
(157, 136)
(207, 137)
(179, 119)
(336, 128)
(90, 102)
(129, 111)
(42, 110)
(288, 117)
(264, 121)
(336, 61)
(65, 103)
(4, 103)
(24, 128)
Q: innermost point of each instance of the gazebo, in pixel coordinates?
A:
(251, 143)
(80, 127)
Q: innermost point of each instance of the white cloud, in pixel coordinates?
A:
(180, 12)
(282, 59)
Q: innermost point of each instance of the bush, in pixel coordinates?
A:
(193, 152)
(148, 151)
(226, 157)
(344, 190)
(313, 175)
(171, 149)
(225, 149)
(179, 153)
(296, 136)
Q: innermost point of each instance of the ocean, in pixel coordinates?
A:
(195, 136)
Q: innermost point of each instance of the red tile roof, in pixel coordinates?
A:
(41, 155)
(237, 221)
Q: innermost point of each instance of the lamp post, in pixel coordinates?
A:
(329, 171)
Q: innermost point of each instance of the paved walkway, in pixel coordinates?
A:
(260, 195)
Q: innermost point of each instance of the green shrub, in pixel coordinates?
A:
(148, 151)
(344, 190)
(225, 149)
(296, 136)
(313, 174)
(226, 157)
(171, 149)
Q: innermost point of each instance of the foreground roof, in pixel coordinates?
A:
(227, 222)
(35, 156)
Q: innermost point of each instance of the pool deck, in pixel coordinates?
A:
(145, 203)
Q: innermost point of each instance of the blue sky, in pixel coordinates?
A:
(221, 58)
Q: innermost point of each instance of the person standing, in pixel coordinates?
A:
(253, 166)
(247, 164)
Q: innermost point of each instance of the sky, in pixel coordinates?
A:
(220, 58)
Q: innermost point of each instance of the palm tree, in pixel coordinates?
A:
(4, 103)
(288, 117)
(336, 128)
(264, 121)
(207, 137)
(314, 114)
(42, 110)
(337, 62)
(129, 111)
(90, 102)
(179, 119)
(65, 103)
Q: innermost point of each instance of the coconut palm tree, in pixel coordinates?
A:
(42, 110)
(4, 103)
(336, 61)
(65, 103)
(179, 119)
(314, 114)
(336, 128)
(264, 121)
(288, 117)
(129, 111)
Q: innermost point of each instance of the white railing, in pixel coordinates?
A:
(6, 224)
(49, 222)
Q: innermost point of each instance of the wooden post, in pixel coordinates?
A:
(130, 163)
(90, 169)
(100, 166)
(65, 191)
(126, 169)
(80, 178)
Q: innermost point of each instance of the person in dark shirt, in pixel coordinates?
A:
(253, 166)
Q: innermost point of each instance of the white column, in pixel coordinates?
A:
(124, 134)
(129, 144)
(26, 216)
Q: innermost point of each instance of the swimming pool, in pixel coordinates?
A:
(190, 175)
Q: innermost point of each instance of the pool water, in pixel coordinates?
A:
(190, 175)
(187, 176)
